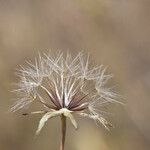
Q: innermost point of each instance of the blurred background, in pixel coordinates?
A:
(115, 32)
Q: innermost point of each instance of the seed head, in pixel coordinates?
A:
(64, 85)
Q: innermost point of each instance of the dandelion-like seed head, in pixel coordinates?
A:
(65, 85)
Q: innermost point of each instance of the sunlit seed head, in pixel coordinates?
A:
(64, 84)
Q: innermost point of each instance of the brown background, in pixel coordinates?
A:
(115, 32)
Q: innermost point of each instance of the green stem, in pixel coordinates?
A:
(63, 132)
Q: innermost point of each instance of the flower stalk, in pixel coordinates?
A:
(63, 131)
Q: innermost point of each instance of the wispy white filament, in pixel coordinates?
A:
(65, 79)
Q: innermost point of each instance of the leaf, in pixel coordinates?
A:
(71, 117)
(49, 115)
(45, 118)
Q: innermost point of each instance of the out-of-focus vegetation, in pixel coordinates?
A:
(115, 32)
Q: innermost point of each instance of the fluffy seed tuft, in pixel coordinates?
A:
(69, 84)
